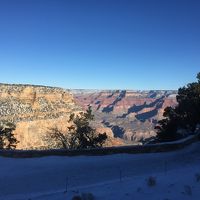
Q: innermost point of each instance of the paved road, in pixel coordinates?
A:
(20, 177)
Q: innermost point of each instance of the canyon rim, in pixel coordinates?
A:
(127, 116)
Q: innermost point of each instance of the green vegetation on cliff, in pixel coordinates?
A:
(7, 138)
(185, 117)
(80, 134)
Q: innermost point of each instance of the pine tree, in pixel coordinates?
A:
(186, 115)
(7, 138)
(80, 134)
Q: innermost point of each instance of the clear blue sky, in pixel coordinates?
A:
(122, 44)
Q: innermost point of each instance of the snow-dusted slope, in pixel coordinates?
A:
(116, 177)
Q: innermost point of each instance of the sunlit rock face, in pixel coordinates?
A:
(131, 115)
(128, 117)
(35, 110)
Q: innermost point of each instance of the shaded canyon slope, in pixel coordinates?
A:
(126, 116)
(129, 115)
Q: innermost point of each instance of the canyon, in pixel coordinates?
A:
(130, 115)
(127, 116)
(35, 110)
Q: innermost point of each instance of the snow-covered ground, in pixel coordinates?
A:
(113, 177)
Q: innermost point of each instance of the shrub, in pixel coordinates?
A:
(87, 196)
(84, 196)
(151, 181)
(187, 190)
(77, 197)
(7, 138)
(197, 177)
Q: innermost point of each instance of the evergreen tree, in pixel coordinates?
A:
(80, 134)
(7, 138)
(185, 116)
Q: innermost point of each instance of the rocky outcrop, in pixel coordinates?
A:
(34, 110)
(126, 116)
(131, 115)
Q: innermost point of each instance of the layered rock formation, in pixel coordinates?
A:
(131, 115)
(34, 110)
(126, 116)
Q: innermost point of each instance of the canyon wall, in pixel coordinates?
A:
(131, 115)
(128, 117)
(35, 110)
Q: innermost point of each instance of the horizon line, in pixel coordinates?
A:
(86, 89)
